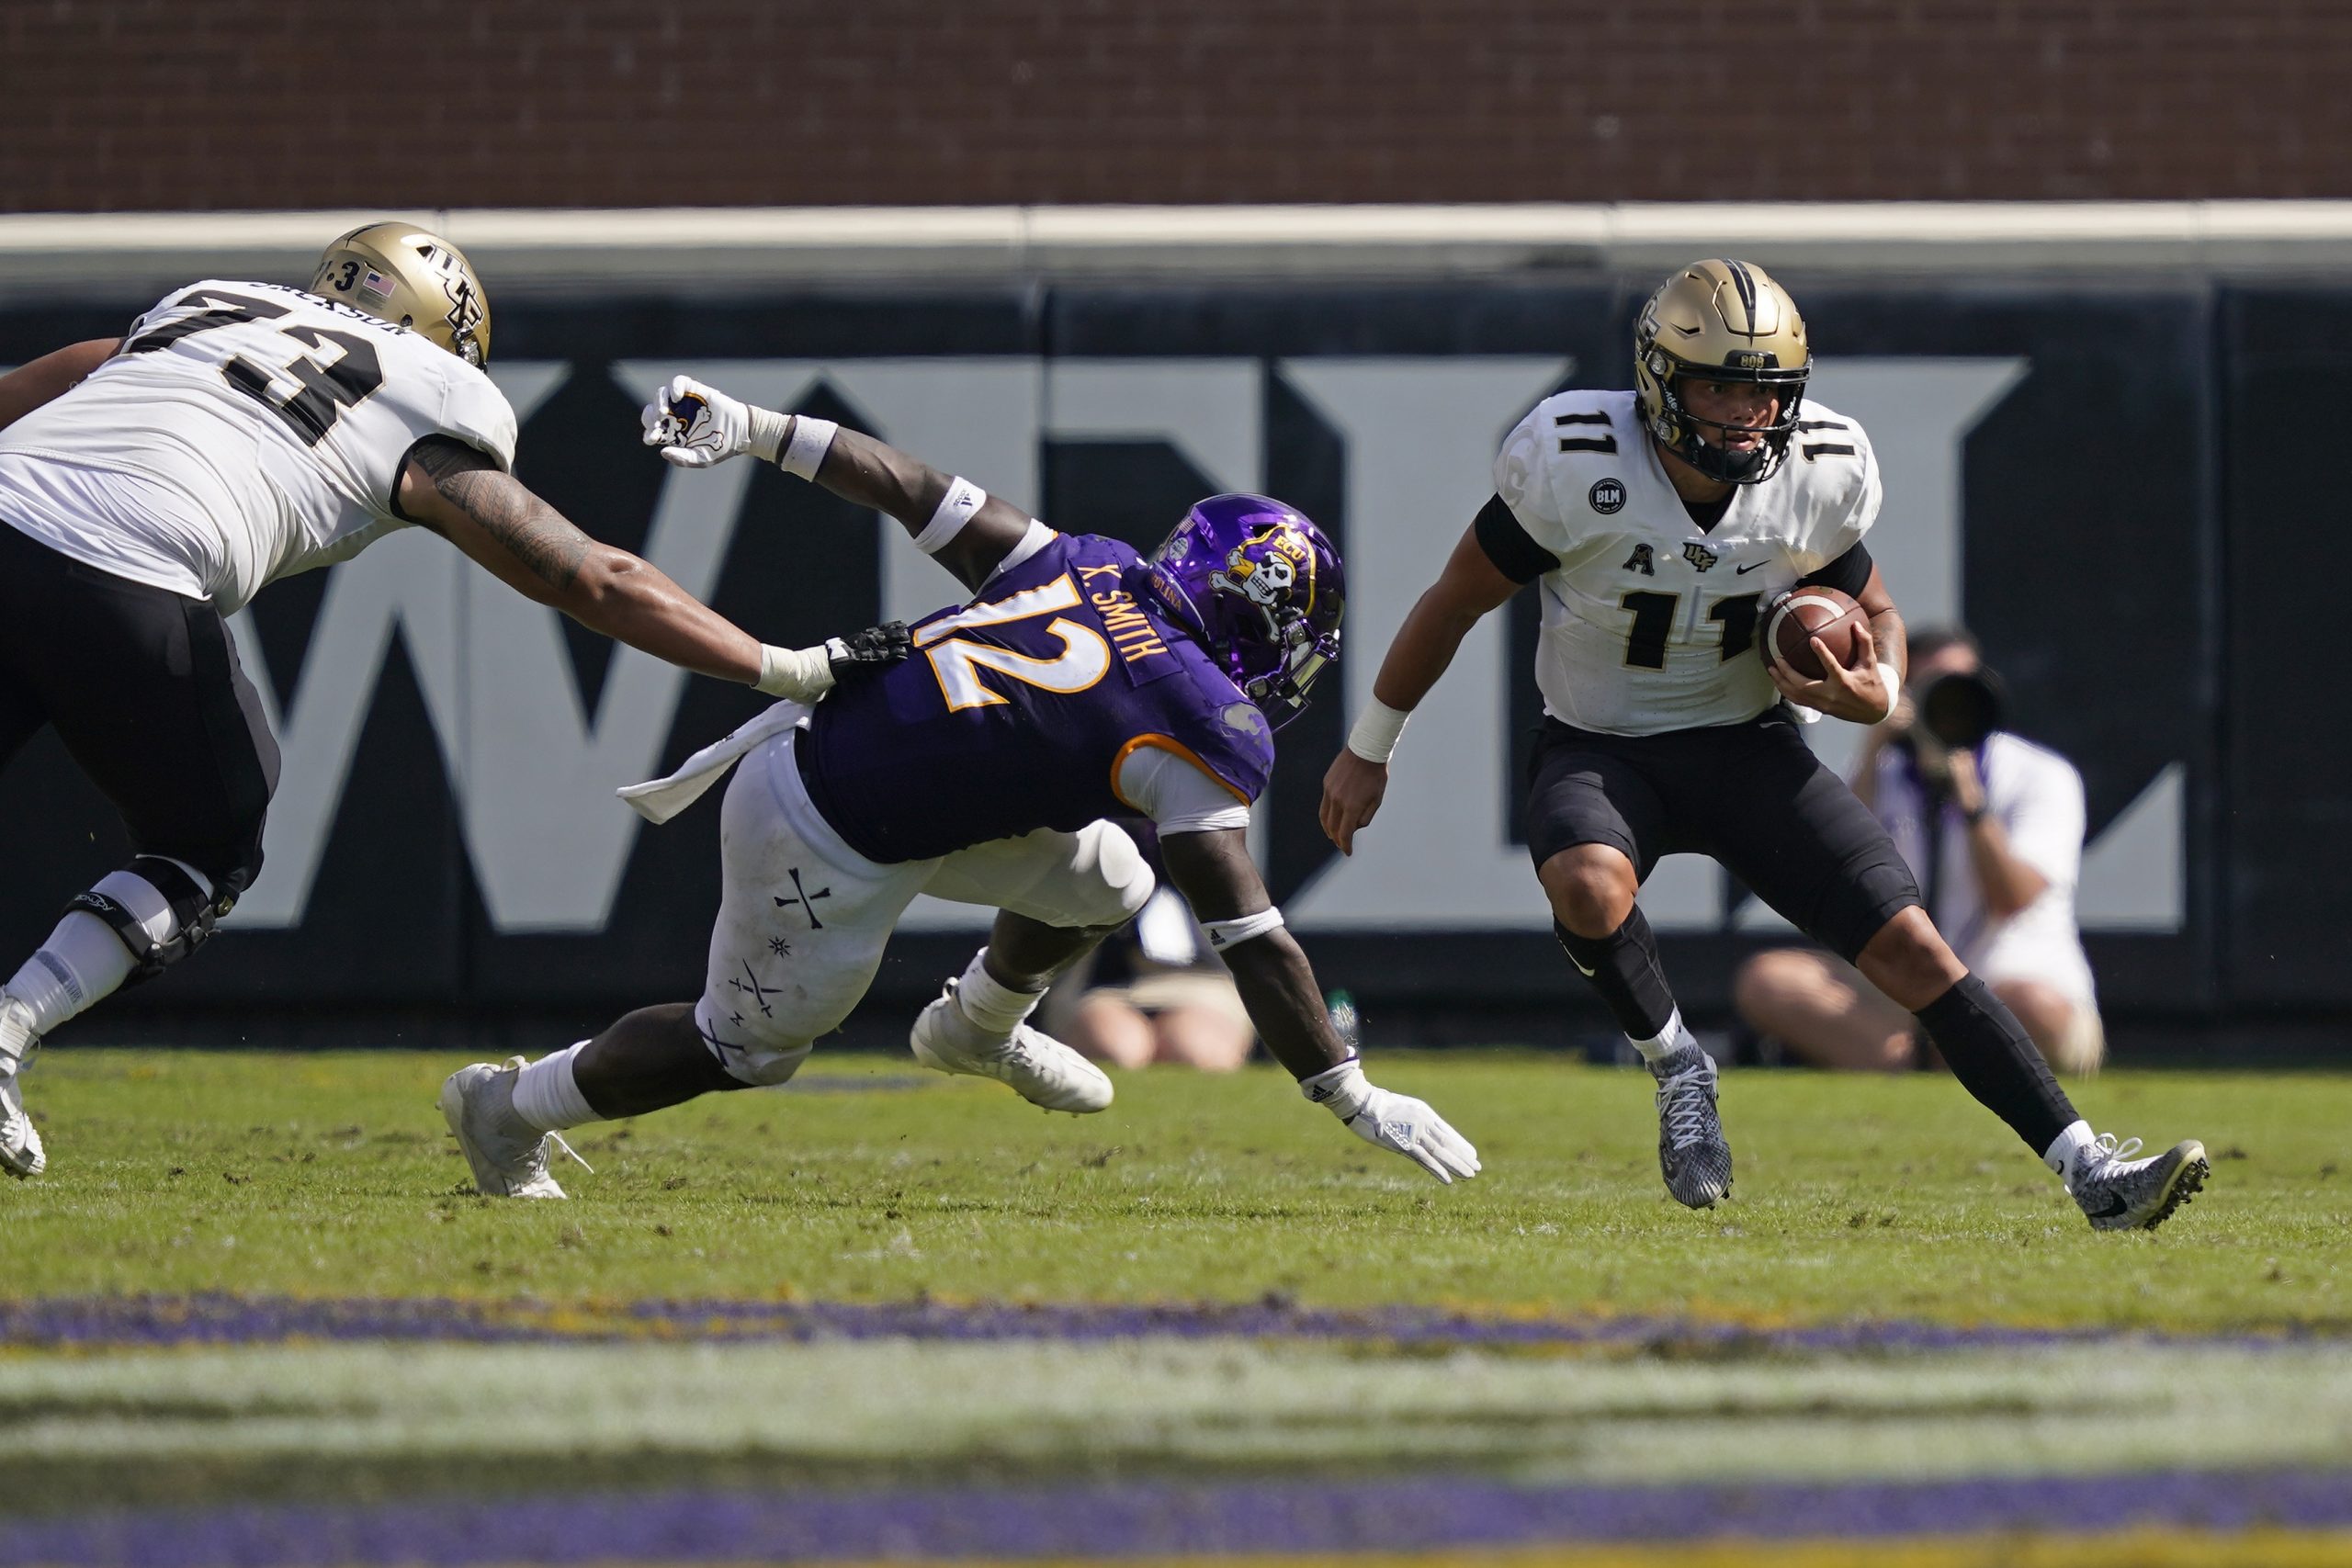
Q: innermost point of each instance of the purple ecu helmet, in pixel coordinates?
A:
(1261, 589)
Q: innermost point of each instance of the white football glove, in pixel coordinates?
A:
(696, 426)
(1397, 1123)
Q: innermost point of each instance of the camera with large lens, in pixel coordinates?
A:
(1956, 712)
(1962, 709)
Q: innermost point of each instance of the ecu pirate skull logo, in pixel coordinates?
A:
(1266, 577)
(1262, 582)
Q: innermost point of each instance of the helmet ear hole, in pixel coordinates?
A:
(408, 320)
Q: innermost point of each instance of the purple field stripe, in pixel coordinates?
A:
(1109, 1522)
(236, 1320)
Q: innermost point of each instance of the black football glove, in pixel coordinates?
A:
(875, 647)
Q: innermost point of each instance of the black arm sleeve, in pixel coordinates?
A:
(1506, 544)
(1850, 573)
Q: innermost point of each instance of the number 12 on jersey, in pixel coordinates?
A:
(1084, 658)
(1654, 618)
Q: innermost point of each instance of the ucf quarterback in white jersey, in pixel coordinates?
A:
(242, 432)
(1649, 618)
(1660, 523)
(153, 484)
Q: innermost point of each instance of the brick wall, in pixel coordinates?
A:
(208, 103)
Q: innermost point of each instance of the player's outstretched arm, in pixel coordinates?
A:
(1469, 587)
(496, 519)
(50, 376)
(964, 528)
(1215, 872)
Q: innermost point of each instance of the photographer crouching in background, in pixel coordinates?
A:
(1992, 826)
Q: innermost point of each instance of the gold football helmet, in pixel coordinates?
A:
(1720, 320)
(403, 274)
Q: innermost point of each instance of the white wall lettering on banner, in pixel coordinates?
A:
(532, 772)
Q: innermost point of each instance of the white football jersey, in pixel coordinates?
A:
(1649, 622)
(245, 432)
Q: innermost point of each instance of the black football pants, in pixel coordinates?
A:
(144, 688)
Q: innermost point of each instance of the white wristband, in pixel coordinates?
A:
(1887, 673)
(803, 674)
(1377, 729)
(766, 435)
(811, 439)
(1228, 933)
(1341, 1088)
(955, 508)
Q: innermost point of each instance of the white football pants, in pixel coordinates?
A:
(803, 918)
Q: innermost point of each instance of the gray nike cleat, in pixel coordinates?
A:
(1042, 1069)
(509, 1155)
(1691, 1153)
(20, 1151)
(2120, 1194)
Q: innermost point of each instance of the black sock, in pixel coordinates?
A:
(1991, 1053)
(1624, 969)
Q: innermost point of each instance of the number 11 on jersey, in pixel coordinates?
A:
(1654, 618)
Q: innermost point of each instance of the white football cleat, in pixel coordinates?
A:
(509, 1155)
(2120, 1194)
(1041, 1069)
(20, 1151)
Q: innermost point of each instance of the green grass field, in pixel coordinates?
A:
(868, 1180)
(329, 1180)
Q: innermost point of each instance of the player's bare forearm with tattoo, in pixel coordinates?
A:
(538, 537)
(874, 473)
(496, 519)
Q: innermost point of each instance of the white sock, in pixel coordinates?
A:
(2062, 1154)
(547, 1097)
(993, 1008)
(1672, 1038)
(80, 965)
(83, 962)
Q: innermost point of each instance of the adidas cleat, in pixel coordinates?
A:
(1691, 1153)
(508, 1155)
(21, 1153)
(2120, 1194)
(1040, 1068)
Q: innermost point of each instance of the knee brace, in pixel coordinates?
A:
(159, 908)
(745, 1057)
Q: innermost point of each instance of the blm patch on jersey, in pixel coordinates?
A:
(1606, 496)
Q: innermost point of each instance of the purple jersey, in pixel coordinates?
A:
(1016, 710)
